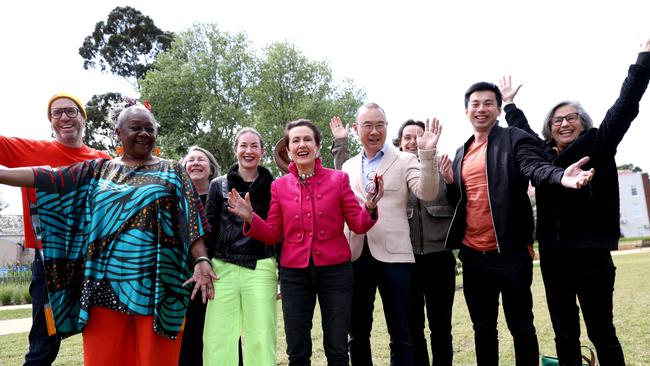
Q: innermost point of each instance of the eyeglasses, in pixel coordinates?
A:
(370, 187)
(571, 117)
(368, 127)
(70, 112)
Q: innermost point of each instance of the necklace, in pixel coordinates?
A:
(305, 176)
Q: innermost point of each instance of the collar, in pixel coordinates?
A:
(318, 167)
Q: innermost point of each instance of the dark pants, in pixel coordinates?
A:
(588, 275)
(433, 286)
(485, 276)
(43, 348)
(393, 281)
(192, 345)
(300, 287)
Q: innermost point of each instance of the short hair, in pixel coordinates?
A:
(369, 105)
(585, 119)
(214, 166)
(411, 122)
(135, 109)
(481, 86)
(244, 130)
(298, 123)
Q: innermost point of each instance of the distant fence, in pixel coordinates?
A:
(17, 276)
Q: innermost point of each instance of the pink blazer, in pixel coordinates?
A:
(309, 218)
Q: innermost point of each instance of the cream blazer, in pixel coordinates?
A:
(389, 240)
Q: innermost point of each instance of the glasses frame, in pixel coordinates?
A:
(557, 121)
(71, 112)
(380, 127)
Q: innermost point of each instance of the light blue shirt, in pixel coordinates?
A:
(371, 165)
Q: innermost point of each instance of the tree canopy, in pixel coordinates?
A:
(126, 44)
(210, 83)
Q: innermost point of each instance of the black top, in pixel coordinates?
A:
(588, 217)
(227, 241)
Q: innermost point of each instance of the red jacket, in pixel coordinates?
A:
(18, 152)
(309, 218)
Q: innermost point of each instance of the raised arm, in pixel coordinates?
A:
(340, 150)
(17, 177)
(626, 107)
(515, 117)
(423, 179)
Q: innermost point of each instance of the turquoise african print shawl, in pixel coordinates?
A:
(118, 237)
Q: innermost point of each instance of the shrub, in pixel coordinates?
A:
(6, 295)
(26, 295)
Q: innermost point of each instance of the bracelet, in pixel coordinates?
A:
(199, 260)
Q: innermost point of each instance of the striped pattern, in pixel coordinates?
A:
(117, 237)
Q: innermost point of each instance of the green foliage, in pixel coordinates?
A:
(6, 295)
(15, 294)
(631, 167)
(199, 91)
(290, 86)
(126, 44)
(100, 122)
(210, 83)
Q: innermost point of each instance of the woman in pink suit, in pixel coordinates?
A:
(309, 207)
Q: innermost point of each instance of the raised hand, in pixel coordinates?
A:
(429, 139)
(240, 206)
(507, 91)
(339, 130)
(576, 178)
(445, 169)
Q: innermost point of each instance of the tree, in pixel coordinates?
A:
(291, 87)
(210, 83)
(631, 167)
(100, 125)
(199, 91)
(126, 44)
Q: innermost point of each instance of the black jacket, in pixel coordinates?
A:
(227, 241)
(588, 217)
(512, 158)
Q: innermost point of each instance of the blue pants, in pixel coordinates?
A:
(393, 281)
(43, 348)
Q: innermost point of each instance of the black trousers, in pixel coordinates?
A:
(485, 277)
(43, 348)
(300, 287)
(586, 275)
(433, 286)
(393, 281)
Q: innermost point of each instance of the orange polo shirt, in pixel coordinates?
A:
(479, 234)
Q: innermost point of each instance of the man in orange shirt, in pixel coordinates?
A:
(67, 116)
(493, 222)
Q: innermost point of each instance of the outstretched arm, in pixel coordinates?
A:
(17, 177)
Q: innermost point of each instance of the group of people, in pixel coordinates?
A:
(158, 262)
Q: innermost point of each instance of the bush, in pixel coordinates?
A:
(6, 295)
(27, 297)
(15, 295)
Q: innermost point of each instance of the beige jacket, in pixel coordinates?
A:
(389, 240)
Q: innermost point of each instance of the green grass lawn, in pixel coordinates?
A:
(631, 315)
(15, 314)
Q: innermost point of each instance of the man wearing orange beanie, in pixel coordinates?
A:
(67, 116)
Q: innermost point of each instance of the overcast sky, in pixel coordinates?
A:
(415, 59)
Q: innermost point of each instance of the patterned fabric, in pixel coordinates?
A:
(118, 237)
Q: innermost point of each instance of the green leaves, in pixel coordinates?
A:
(126, 44)
(211, 83)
